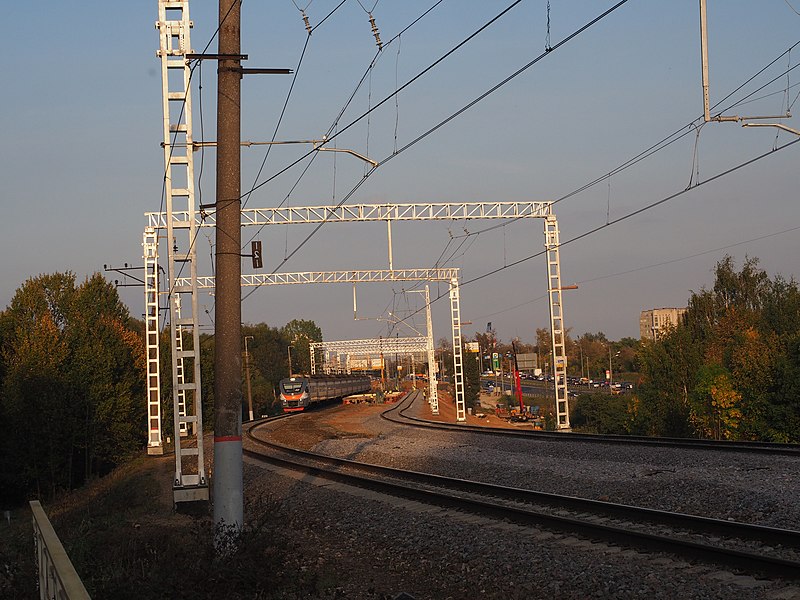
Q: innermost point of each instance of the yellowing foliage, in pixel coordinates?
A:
(716, 411)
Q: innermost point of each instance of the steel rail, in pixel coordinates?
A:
(773, 448)
(312, 463)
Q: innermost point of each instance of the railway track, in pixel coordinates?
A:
(398, 414)
(738, 546)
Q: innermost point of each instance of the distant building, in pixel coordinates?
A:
(652, 322)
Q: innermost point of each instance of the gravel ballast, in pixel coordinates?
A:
(371, 546)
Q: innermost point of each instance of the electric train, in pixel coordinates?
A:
(300, 392)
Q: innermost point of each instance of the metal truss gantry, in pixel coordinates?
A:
(409, 212)
(450, 275)
(369, 347)
(174, 27)
(433, 211)
(380, 346)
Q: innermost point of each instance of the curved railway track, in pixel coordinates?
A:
(739, 546)
(398, 414)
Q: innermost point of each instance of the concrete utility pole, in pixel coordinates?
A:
(228, 494)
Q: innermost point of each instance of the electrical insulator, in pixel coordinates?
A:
(305, 20)
(375, 32)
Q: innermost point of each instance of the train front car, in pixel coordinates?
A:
(294, 394)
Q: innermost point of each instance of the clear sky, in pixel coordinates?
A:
(80, 115)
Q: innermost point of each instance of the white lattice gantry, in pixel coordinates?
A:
(405, 212)
(174, 27)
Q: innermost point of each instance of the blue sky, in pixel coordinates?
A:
(81, 162)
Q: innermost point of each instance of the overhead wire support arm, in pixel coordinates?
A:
(778, 125)
(124, 271)
(704, 65)
(190, 56)
(241, 70)
(374, 163)
(244, 71)
(318, 146)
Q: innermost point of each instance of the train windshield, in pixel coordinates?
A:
(292, 387)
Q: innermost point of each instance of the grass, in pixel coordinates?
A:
(125, 541)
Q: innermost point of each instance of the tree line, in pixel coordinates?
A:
(71, 385)
(72, 374)
(731, 369)
(72, 382)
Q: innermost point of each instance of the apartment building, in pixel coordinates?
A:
(653, 321)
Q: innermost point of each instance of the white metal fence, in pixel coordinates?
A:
(57, 577)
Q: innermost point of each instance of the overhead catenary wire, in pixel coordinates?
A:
(453, 115)
(644, 208)
(280, 117)
(352, 123)
(652, 149)
(626, 165)
(188, 84)
(794, 10)
(666, 141)
(404, 86)
(216, 32)
(627, 216)
(650, 266)
(313, 155)
(610, 223)
(328, 16)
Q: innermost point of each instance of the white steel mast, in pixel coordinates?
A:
(174, 26)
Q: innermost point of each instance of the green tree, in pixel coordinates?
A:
(41, 420)
(783, 411)
(72, 391)
(107, 369)
(269, 363)
(300, 333)
(600, 413)
(667, 378)
(472, 379)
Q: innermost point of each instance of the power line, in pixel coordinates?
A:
(339, 116)
(650, 266)
(371, 171)
(389, 97)
(695, 255)
(280, 119)
(663, 143)
(643, 209)
(455, 114)
(496, 87)
(337, 7)
(631, 214)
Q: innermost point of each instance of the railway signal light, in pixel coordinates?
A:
(256, 253)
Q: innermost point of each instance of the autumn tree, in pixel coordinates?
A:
(715, 406)
(73, 383)
(731, 367)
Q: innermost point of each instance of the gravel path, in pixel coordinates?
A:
(369, 546)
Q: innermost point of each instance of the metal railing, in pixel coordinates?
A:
(57, 577)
